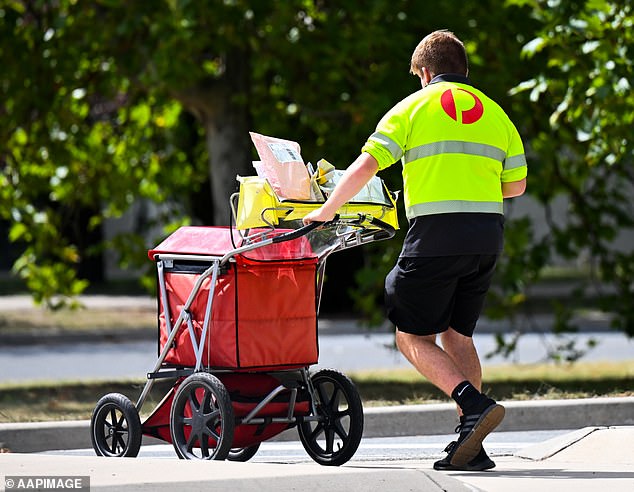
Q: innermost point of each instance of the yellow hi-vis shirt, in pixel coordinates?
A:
(456, 145)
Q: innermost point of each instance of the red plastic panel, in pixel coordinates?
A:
(217, 241)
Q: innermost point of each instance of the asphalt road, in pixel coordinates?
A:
(349, 352)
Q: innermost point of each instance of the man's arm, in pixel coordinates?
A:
(353, 180)
(513, 188)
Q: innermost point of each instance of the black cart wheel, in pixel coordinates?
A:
(243, 454)
(201, 419)
(115, 427)
(335, 436)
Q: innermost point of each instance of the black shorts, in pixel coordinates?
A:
(427, 295)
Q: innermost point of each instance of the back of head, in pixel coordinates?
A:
(440, 52)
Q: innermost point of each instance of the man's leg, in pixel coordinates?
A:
(464, 354)
(481, 414)
(426, 293)
(430, 360)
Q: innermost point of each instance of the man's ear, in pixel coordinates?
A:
(426, 78)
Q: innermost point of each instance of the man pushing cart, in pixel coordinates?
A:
(238, 330)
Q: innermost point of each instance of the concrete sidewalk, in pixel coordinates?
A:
(404, 420)
(600, 457)
(594, 458)
(589, 459)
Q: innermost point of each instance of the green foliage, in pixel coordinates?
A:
(96, 119)
(83, 141)
(524, 258)
(582, 109)
(109, 103)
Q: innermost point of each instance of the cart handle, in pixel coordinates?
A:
(300, 232)
(387, 231)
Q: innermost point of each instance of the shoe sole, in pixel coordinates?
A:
(480, 467)
(469, 448)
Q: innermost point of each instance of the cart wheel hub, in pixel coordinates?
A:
(197, 427)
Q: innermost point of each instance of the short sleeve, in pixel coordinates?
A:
(514, 165)
(388, 142)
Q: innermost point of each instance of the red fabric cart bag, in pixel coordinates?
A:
(263, 314)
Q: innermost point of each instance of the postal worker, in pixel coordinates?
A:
(461, 156)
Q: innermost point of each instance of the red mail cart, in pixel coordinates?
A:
(237, 334)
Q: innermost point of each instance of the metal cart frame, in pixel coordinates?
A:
(116, 429)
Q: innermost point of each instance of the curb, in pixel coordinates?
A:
(435, 419)
(407, 420)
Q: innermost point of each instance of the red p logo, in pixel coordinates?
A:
(468, 116)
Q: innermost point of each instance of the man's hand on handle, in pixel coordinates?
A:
(319, 215)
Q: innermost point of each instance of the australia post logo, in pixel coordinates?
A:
(461, 105)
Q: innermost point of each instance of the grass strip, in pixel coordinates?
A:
(70, 400)
(506, 382)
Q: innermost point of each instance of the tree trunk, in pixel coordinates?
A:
(222, 107)
(229, 149)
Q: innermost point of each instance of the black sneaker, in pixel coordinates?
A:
(474, 429)
(480, 463)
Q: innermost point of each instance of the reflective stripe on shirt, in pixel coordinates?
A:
(393, 148)
(514, 162)
(454, 147)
